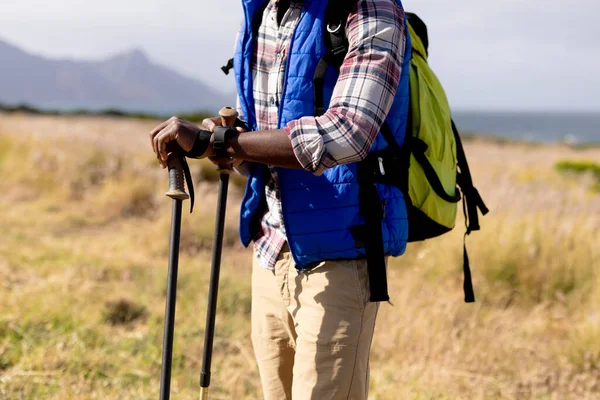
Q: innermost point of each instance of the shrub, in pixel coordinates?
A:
(123, 312)
(581, 167)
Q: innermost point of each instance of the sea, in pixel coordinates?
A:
(571, 128)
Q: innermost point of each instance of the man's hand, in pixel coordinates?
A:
(209, 124)
(269, 147)
(185, 133)
(226, 162)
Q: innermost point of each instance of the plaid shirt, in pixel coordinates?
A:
(361, 99)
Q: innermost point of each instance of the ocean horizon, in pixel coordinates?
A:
(547, 127)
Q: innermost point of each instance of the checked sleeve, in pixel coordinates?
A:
(363, 94)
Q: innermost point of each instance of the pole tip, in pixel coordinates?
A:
(203, 393)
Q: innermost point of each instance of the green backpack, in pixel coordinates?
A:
(433, 167)
(430, 167)
(437, 156)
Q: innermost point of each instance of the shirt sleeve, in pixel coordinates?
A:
(238, 107)
(363, 94)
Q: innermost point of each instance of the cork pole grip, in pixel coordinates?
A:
(228, 116)
(176, 179)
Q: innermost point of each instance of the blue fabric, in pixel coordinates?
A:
(318, 211)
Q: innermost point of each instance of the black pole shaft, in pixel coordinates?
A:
(209, 333)
(167, 356)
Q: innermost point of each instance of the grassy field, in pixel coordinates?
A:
(83, 264)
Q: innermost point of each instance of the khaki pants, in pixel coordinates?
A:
(312, 332)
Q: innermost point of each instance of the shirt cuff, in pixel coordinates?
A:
(308, 145)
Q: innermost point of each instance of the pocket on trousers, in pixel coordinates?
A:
(361, 276)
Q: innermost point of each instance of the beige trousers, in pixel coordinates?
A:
(312, 332)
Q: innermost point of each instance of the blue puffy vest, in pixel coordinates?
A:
(319, 212)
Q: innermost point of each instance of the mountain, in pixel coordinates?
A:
(128, 81)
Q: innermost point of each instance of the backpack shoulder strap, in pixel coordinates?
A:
(336, 41)
(336, 15)
(420, 29)
(371, 208)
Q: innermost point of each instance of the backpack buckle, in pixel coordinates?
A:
(381, 168)
(334, 29)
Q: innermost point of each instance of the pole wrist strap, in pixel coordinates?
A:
(220, 137)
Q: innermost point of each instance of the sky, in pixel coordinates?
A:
(489, 54)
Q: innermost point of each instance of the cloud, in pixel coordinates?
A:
(515, 54)
(509, 54)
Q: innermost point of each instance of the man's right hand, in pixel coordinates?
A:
(209, 124)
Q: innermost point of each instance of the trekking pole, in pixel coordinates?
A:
(228, 118)
(178, 194)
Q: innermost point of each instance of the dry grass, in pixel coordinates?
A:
(83, 265)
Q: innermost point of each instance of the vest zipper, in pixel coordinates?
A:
(281, 104)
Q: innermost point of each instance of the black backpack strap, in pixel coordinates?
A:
(418, 147)
(389, 138)
(372, 211)
(371, 208)
(420, 29)
(472, 198)
(472, 202)
(227, 67)
(336, 42)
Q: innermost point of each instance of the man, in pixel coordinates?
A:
(312, 318)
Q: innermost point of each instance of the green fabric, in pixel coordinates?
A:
(431, 122)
